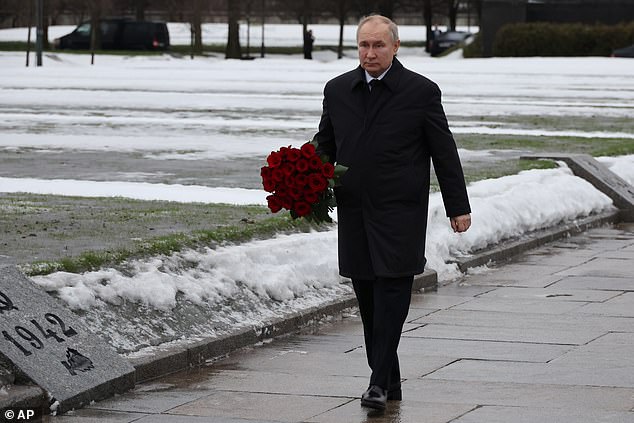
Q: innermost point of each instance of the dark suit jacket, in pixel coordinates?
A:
(387, 138)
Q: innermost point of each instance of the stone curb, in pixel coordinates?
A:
(180, 358)
(532, 240)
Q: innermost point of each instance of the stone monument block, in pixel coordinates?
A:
(606, 181)
(53, 347)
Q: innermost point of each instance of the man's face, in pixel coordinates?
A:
(376, 47)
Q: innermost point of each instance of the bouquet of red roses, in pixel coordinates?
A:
(301, 181)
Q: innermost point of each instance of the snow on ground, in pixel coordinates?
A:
(280, 268)
(137, 190)
(164, 109)
(622, 166)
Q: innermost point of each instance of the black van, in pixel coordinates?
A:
(119, 34)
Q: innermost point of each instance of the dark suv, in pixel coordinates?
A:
(446, 40)
(119, 34)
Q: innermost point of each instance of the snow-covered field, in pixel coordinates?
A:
(157, 111)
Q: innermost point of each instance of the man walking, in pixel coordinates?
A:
(385, 123)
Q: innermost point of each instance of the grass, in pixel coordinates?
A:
(166, 245)
(592, 146)
(75, 234)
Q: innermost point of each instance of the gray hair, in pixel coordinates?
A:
(393, 29)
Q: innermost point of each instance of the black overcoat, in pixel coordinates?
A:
(386, 138)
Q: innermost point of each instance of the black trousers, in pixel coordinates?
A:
(384, 304)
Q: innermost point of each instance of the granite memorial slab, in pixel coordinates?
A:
(606, 181)
(53, 347)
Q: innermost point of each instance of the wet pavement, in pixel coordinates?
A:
(548, 337)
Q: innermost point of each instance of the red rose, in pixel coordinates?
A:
(301, 180)
(317, 182)
(287, 168)
(274, 159)
(308, 150)
(328, 170)
(301, 208)
(314, 163)
(274, 203)
(281, 191)
(277, 175)
(286, 202)
(295, 193)
(301, 165)
(265, 172)
(289, 181)
(311, 197)
(269, 185)
(293, 154)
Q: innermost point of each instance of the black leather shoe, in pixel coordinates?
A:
(395, 394)
(375, 397)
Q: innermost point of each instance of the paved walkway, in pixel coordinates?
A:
(546, 338)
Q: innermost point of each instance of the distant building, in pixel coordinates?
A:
(496, 13)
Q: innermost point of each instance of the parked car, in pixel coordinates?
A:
(624, 52)
(446, 40)
(119, 34)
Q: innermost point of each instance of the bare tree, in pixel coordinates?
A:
(233, 50)
(386, 7)
(341, 9)
(140, 6)
(96, 12)
(452, 13)
(195, 25)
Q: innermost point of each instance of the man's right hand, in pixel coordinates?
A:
(461, 223)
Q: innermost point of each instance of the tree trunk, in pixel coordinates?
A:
(453, 14)
(233, 50)
(427, 16)
(342, 22)
(45, 22)
(140, 9)
(386, 8)
(95, 17)
(305, 17)
(196, 28)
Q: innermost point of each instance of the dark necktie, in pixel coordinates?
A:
(373, 84)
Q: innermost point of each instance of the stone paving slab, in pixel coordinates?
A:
(539, 373)
(88, 415)
(579, 336)
(521, 305)
(514, 277)
(482, 350)
(522, 321)
(550, 292)
(438, 301)
(603, 267)
(414, 411)
(151, 401)
(249, 405)
(520, 394)
(496, 414)
(306, 363)
(271, 382)
(171, 418)
(623, 305)
(594, 282)
(613, 350)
